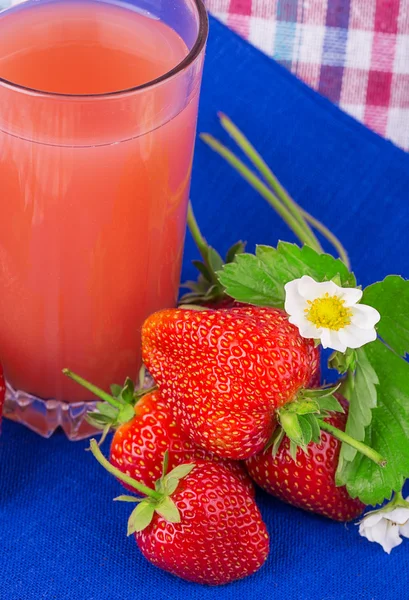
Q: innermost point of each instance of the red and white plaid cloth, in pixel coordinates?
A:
(355, 52)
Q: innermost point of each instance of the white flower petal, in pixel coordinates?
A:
(372, 519)
(366, 532)
(387, 537)
(301, 292)
(294, 303)
(310, 331)
(353, 337)
(310, 289)
(307, 328)
(404, 529)
(398, 515)
(331, 339)
(375, 533)
(365, 317)
(350, 295)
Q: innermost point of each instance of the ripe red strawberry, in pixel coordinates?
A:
(315, 381)
(138, 447)
(199, 522)
(224, 373)
(144, 432)
(308, 482)
(2, 392)
(221, 536)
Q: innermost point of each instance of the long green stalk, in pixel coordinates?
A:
(331, 237)
(136, 485)
(304, 218)
(196, 233)
(299, 230)
(260, 164)
(363, 448)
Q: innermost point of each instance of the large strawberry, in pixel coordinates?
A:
(199, 523)
(224, 373)
(2, 392)
(307, 482)
(144, 431)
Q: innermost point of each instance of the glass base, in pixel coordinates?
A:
(45, 416)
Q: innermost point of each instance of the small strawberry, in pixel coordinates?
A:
(308, 482)
(144, 431)
(199, 523)
(2, 392)
(224, 373)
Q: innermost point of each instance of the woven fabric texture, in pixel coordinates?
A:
(354, 52)
(61, 536)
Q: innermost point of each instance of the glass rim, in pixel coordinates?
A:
(189, 59)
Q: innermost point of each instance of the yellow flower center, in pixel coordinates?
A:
(329, 312)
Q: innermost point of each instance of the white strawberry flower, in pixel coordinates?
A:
(386, 527)
(330, 313)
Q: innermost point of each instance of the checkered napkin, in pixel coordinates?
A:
(354, 52)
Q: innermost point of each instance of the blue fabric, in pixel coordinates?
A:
(61, 536)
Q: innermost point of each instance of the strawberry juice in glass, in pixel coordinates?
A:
(98, 110)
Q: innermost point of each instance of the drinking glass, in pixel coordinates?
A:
(98, 111)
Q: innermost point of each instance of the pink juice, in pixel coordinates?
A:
(93, 190)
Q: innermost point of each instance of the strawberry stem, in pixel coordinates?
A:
(362, 448)
(92, 388)
(280, 195)
(200, 241)
(327, 233)
(249, 150)
(139, 487)
(298, 229)
(196, 233)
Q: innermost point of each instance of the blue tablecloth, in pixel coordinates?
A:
(61, 536)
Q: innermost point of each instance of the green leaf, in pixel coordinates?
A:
(315, 428)
(303, 407)
(248, 281)
(194, 286)
(388, 432)
(343, 361)
(168, 483)
(107, 410)
(126, 414)
(361, 392)
(160, 485)
(200, 266)
(260, 279)
(127, 391)
(293, 450)
(97, 420)
(180, 471)
(170, 486)
(306, 429)
(116, 390)
(236, 249)
(330, 404)
(294, 262)
(291, 424)
(215, 260)
(141, 517)
(391, 299)
(168, 510)
(277, 439)
(128, 499)
(165, 463)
